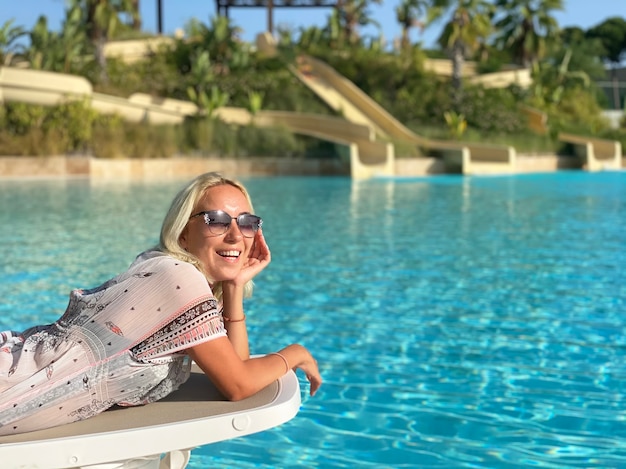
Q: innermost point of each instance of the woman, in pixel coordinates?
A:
(130, 340)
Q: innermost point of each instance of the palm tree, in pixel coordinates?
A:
(8, 48)
(527, 27)
(101, 19)
(586, 52)
(221, 40)
(352, 14)
(60, 51)
(135, 15)
(468, 27)
(334, 32)
(407, 14)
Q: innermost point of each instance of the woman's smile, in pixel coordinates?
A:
(231, 256)
(222, 255)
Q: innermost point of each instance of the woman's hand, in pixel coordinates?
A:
(299, 357)
(258, 259)
(237, 379)
(312, 374)
(260, 252)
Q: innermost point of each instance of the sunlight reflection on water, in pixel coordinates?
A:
(459, 322)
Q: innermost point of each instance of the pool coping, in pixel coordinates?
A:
(178, 167)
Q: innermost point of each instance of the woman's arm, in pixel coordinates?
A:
(235, 319)
(226, 360)
(237, 379)
(232, 295)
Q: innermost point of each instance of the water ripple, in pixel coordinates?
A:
(458, 322)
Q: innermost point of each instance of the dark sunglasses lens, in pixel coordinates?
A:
(248, 225)
(218, 222)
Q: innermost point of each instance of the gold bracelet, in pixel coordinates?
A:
(234, 320)
(287, 367)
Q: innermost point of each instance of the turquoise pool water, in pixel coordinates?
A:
(459, 322)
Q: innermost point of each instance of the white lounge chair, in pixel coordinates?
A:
(156, 436)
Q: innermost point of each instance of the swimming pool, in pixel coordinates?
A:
(458, 321)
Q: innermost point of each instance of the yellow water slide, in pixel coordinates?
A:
(468, 158)
(349, 101)
(352, 103)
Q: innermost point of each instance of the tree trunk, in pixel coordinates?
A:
(616, 94)
(136, 15)
(404, 42)
(101, 60)
(457, 69)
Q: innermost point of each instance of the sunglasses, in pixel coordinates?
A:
(219, 222)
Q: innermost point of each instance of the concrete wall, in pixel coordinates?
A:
(152, 169)
(157, 168)
(545, 163)
(50, 166)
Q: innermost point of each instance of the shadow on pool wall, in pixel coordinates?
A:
(365, 131)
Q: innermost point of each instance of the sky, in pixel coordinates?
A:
(176, 13)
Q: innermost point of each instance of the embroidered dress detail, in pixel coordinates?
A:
(119, 343)
(197, 323)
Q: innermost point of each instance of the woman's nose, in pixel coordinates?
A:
(233, 233)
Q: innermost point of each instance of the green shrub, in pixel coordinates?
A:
(40, 130)
(72, 123)
(20, 119)
(577, 112)
(225, 141)
(143, 140)
(108, 137)
(274, 141)
(198, 134)
(21, 145)
(492, 110)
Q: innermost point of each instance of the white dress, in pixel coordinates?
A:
(121, 343)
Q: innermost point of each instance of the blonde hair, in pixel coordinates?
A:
(177, 217)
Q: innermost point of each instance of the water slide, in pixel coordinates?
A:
(468, 158)
(347, 99)
(365, 127)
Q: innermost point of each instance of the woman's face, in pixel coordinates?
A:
(222, 255)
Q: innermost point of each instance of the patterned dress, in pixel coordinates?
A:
(121, 343)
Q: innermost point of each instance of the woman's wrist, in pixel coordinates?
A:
(232, 293)
(229, 320)
(233, 287)
(284, 359)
